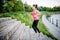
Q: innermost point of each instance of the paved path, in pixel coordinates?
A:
(51, 28)
(11, 29)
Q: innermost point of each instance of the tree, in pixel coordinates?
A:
(11, 5)
(18, 6)
(56, 8)
(2, 5)
(27, 7)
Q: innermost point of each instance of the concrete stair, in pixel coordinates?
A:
(16, 35)
(25, 34)
(5, 24)
(4, 19)
(11, 29)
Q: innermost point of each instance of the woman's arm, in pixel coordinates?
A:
(38, 13)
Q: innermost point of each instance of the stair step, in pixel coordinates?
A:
(5, 34)
(16, 35)
(5, 19)
(48, 38)
(44, 37)
(34, 36)
(2, 27)
(6, 22)
(26, 34)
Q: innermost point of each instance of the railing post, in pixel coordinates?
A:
(57, 22)
(52, 20)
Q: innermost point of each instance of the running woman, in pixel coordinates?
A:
(35, 14)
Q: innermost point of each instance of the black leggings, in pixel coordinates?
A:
(34, 26)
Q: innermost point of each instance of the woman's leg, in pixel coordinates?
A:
(36, 26)
(33, 26)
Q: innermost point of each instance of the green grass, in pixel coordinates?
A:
(25, 17)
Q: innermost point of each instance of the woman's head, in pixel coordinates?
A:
(34, 7)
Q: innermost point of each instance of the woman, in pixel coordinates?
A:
(35, 14)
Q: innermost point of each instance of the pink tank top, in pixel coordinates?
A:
(34, 15)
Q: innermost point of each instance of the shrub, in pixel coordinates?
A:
(9, 6)
(18, 6)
